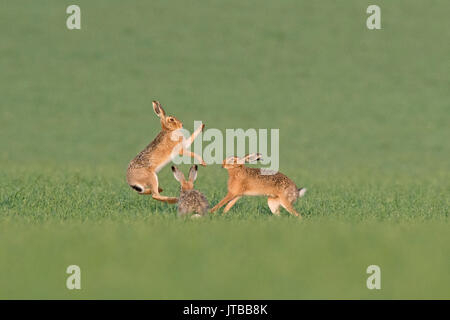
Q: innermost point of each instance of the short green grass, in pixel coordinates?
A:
(363, 118)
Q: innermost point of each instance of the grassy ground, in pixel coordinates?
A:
(363, 118)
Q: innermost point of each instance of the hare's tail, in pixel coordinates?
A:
(301, 192)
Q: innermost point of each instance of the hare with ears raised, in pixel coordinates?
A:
(190, 200)
(243, 181)
(142, 170)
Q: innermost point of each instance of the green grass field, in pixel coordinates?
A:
(364, 125)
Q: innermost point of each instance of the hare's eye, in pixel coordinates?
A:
(171, 119)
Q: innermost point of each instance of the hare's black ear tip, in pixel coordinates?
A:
(173, 168)
(195, 167)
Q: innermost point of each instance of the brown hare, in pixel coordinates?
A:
(245, 181)
(190, 200)
(142, 170)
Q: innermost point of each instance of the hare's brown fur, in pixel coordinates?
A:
(243, 181)
(142, 170)
(190, 200)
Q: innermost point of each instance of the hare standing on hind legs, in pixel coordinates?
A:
(243, 180)
(142, 170)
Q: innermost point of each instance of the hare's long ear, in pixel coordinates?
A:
(158, 109)
(193, 173)
(253, 157)
(178, 174)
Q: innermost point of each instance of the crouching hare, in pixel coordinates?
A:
(245, 181)
(190, 200)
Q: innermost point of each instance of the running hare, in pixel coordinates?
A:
(243, 180)
(190, 200)
(142, 170)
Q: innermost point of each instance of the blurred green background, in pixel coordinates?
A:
(363, 118)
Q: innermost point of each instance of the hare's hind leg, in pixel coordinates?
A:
(141, 180)
(289, 207)
(222, 202)
(159, 197)
(230, 204)
(153, 182)
(274, 205)
(142, 188)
